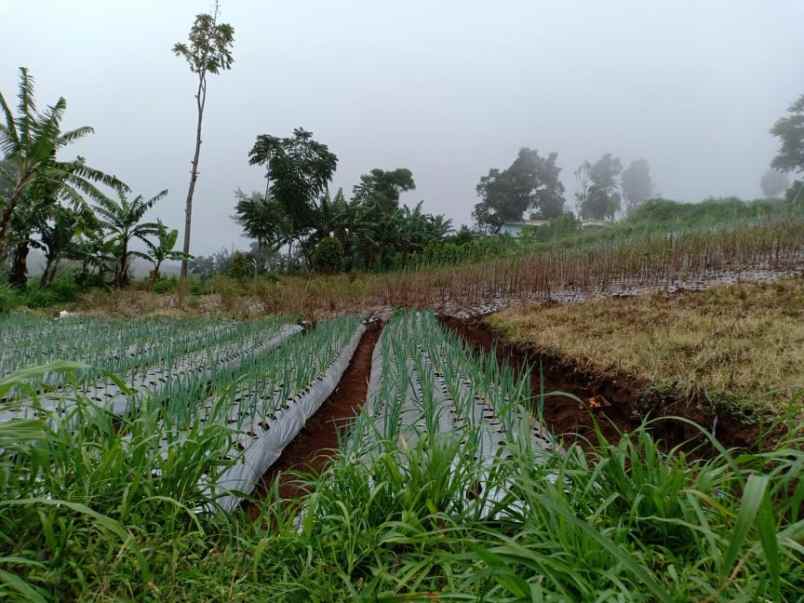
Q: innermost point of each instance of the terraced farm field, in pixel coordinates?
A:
(145, 468)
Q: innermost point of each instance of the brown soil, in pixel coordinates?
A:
(312, 449)
(616, 404)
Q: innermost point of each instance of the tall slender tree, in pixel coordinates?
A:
(208, 51)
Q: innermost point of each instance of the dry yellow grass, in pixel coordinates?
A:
(739, 344)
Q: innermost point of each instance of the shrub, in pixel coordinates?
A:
(65, 288)
(166, 285)
(36, 297)
(708, 212)
(242, 266)
(327, 255)
(657, 210)
(565, 225)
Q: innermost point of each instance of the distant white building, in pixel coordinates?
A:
(515, 229)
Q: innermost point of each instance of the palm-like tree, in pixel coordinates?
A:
(123, 218)
(7, 179)
(161, 251)
(49, 194)
(263, 220)
(58, 235)
(96, 254)
(30, 142)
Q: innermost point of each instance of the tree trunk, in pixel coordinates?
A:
(200, 101)
(19, 266)
(260, 259)
(124, 274)
(121, 277)
(50, 271)
(154, 275)
(43, 281)
(5, 220)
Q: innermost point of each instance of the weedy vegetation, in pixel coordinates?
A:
(445, 486)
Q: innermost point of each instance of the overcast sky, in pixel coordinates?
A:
(446, 88)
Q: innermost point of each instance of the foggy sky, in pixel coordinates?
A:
(447, 89)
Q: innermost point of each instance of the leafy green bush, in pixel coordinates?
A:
(242, 266)
(657, 210)
(707, 212)
(327, 255)
(65, 288)
(563, 226)
(166, 285)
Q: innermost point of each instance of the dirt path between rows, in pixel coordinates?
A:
(316, 444)
(612, 405)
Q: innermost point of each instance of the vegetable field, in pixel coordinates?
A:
(127, 450)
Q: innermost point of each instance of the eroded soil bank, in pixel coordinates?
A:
(615, 404)
(312, 449)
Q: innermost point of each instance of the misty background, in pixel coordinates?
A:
(448, 90)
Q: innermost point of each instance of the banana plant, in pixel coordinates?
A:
(123, 218)
(162, 250)
(30, 142)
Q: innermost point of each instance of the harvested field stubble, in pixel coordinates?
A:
(737, 347)
(651, 261)
(656, 261)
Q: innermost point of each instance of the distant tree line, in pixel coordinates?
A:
(532, 184)
(296, 224)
